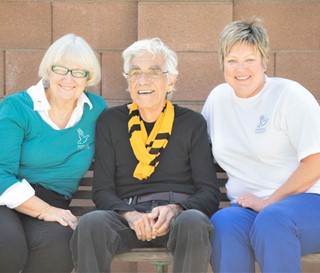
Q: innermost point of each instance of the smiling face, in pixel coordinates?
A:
(244, 70)
(149, 90)
(66, 88)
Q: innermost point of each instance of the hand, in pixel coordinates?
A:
(251, 201)
(62, 216)
(163, 217)
(140, 223)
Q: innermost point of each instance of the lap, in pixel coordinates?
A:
(12, 233)
(297, 214)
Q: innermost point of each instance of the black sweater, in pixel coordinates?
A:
(186, 164)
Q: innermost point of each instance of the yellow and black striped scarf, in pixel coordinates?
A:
(146, 148)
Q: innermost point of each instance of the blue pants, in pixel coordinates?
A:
(276, 237)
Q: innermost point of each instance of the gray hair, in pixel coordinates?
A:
(71, 49)
(156, 47)
(248, 32)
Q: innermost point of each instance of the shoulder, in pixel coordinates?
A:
(289, 89)
(18, 100)
(220, 92)
(115, 113)
(186, 115)
(96, 100)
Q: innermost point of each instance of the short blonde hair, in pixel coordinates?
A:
(71, 49)
(248, 32)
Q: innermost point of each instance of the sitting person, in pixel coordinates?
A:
(47, 145)
(265, 134)
(154, 183)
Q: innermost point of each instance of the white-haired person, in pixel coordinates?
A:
(265, 134)
(154, 183)
(47, 145)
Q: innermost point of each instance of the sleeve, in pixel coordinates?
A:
(17, 194)
(12, 192)
(207, 196)
(104, 194)
(302, 121)
(206, 110)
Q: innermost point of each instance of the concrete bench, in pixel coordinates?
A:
(159, 257)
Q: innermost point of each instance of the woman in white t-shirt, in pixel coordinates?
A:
(265, 134)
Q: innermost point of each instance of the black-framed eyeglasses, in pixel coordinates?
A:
(77, 73)
(135, 74)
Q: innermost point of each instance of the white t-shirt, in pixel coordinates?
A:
(259, 141)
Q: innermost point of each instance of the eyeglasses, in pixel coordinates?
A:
(135, 74)
(77, 73)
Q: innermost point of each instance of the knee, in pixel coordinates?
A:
(271, 221)
(191, 216)
(273, 216)
(91, 220)
(96, 222)
(225, 220)
(194, 221)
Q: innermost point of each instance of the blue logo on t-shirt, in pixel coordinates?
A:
(262, 126)
(82, 140)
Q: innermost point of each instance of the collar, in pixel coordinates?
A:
(40, 102)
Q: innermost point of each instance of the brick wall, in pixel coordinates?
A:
(27, 28)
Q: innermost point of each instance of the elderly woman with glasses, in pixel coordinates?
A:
(265, 134)
(47, 145)
(154, 179)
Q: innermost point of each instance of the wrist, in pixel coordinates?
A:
(40, 215)
(177, 208)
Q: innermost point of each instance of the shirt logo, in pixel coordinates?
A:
(82, 140)
(262, 126)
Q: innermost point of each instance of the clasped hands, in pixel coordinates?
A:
(252, 201)
(151, 225)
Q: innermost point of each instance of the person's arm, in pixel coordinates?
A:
(15, 194)
(207, 196)
(304, 177)
(37, 208)
(301, 122)
(104, 188)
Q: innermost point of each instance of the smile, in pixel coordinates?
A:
(145, 92)
(67, 87)
(242, 78)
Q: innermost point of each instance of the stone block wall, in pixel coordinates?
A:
(27, 28)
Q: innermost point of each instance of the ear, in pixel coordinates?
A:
(171, 84)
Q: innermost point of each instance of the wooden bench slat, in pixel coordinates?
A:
(311, 258)
(145, 255)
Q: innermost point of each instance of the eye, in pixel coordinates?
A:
(59, 70)
(134, 73)
(79, 73)
(231, 61)
(154, 72)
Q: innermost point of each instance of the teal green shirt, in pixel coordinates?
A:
(31, 149)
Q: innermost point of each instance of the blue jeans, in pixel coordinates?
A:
(102, 234)
(276, 237)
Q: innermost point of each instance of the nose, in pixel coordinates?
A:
(143, 77)
(241, 66)
(68, 76)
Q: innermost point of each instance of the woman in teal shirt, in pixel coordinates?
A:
(47, 145)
